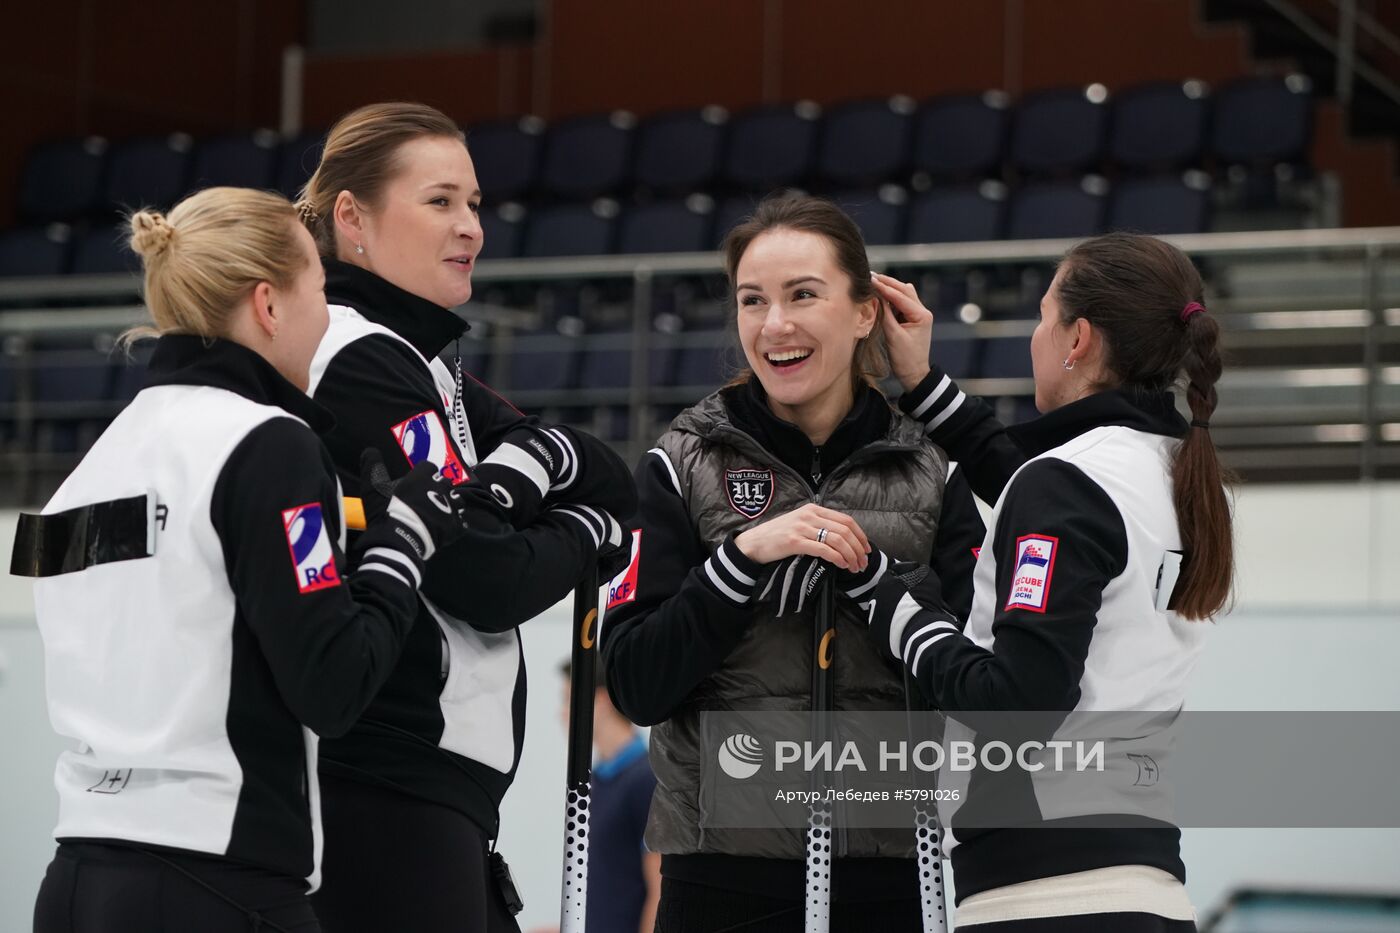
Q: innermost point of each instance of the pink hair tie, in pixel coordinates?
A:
(1190, 310)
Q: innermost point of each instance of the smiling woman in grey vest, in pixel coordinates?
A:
(798, 460)
(199, 629)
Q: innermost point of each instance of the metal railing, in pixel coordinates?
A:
(1312, 387)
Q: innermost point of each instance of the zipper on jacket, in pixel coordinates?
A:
(458, 416)
(816, 466)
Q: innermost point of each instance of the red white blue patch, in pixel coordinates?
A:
(310, 547)
(423, 437)
(1035, 566)
(623, 588)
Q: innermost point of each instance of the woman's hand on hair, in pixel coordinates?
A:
(908, 329)
(844, 544)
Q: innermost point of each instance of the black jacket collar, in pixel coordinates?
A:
(867, 422)
(1150, 412)
(184, 359)
(427, 326)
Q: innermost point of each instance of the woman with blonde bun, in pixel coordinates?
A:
(200, 630)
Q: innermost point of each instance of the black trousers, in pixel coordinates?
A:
(695, 908)
(1088, 923)
(99, 888)
(394, 862)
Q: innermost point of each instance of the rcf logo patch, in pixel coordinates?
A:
(310, 546)
(423, 437)
(623, 588)
(749, 491)
(1035, 565)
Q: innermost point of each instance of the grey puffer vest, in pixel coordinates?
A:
(894, 490)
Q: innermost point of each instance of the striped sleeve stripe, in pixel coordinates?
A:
(723, 575)
(675, 480)
(944, 630)
(904, 610)
(569, 470)
(953, 406)
(932, 397)
(593, 523)
(388, 572)
(398, 559)
(522, 462)
(873, 572)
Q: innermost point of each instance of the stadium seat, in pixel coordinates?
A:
(244, 160)
(961, 137)
(104, 251)
(679, 153)
(667, 227)
(502, 231)
(879, 214)
(954, 348)
(570, 230)
(41, 250)
(1060, 132)
(63, 180)
(297, 160)
(1055, 209)
(147, 172)
(954, 215)
(1160, 126)
(506, 156)
(708, 362)
(865, 142)
(130, 369)
(588, 156)
(66, 371)
(1264, 121)
(771, 147)
(731, 212)
(542, 362)
(1160, 205)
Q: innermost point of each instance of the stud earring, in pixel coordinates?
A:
(1068, 364)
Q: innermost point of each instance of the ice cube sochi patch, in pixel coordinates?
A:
(623, 587)
(423, 437)
(1035, 564)
(310, 546)
(749, 491)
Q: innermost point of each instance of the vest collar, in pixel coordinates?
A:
(1149, 412)
(427, 326)
(186, 359)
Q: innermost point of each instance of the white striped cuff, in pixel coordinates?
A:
(725, 574)
(522, 462)
(400, 560)
(939, 404)
(568, 470)
(387, 571)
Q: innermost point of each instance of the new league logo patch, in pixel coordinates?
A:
(310, 546)
(423, 437)
(749, 491)
(1035, 565)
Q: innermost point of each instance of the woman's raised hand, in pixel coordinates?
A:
(812, 530)
(908, 329)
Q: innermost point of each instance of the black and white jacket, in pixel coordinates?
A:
(196, 664)
(1070, 609)
(449, 725)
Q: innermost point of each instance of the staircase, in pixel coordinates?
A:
(1357, 135)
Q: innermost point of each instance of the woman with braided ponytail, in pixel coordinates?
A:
(1109, 544)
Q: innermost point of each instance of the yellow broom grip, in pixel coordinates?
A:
(354, 513)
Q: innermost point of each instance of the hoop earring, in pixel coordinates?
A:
(1068, 364)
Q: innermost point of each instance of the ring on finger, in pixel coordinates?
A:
(821, 535)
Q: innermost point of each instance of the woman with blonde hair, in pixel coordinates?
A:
(413, 791)
(200, 629)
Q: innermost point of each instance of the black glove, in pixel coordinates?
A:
(532, 462)
(613, 542)
(414, 515)
(908, 603)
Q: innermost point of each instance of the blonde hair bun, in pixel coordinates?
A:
(151, 234)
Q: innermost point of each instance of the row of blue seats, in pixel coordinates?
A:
(1148, 129)
(887, 215)
(79, 376)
